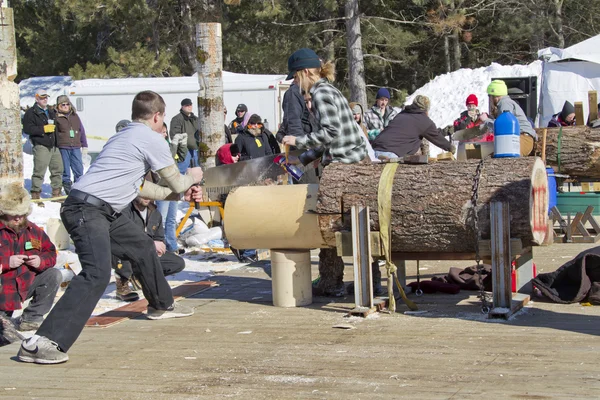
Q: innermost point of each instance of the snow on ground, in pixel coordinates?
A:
(199, 264)
(449, 92)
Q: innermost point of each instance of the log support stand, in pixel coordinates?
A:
(361, 257)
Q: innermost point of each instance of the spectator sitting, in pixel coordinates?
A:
(27, 257)
(254, 141)
(470, 117)
(228, 154)
(405, 132)
(380, 115)
(145, 215)
(564, 118)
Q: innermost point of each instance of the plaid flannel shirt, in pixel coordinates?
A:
(31, 240)
(339, 135)
(375, 122)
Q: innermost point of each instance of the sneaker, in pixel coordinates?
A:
(177, 310)
(25, 326)
(41, 350)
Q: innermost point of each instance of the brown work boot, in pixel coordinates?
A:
(124, 292)
(56, 192)
(36, 196)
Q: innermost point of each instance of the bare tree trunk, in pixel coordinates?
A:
(328, 37)
(187, 44)
(447, 53)
(457, 51)
(356, 65)
(11, 149)
(559, 23)
(210, 96)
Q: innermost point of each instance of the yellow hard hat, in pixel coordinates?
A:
(497, 88)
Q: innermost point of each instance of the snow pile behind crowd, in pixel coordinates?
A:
(449, 92)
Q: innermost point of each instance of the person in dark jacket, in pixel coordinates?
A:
(237, 124)
(72, 142)
(566, 117)
(228, 137)
(38, 123)
(27, 258)
(144, 214)
(470, 117)
(254, 141)
(405, 132)
(183, 135)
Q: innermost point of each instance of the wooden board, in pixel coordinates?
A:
(579, 113)
(593, 105)
(137, 308)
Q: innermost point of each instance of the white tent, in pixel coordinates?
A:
(568, 74)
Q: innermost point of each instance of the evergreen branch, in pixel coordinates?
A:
(398, 21)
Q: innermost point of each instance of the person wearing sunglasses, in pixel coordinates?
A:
(71, 140)
(255, 140)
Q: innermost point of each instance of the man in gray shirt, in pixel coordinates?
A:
(92, 216)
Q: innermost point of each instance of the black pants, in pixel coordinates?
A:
(96, 232)
(169, 262)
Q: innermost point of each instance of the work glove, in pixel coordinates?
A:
(373, 133)
(49, 128)
(452, 149)
(84, 151)
(447, 131)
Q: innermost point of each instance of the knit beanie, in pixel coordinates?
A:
(383, 92)
(121, 125)
(422, 102)
(254, 119)
(567, 109)
(472, 99)
(14, 200)
(497, 88)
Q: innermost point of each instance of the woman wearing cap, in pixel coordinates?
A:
(71, 141)
(501, 102)
(338, 136)
(470, 117)
(380, 115)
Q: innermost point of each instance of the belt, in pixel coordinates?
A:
(90, 199)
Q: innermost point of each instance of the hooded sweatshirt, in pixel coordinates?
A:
(405, 132)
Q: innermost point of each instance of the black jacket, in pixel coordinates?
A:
(33, 124)
(249, 145)
(153, 225)
(297, 119)
(404, 133)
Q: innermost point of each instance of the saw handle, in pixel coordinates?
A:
(194, 164)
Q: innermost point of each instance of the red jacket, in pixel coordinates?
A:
(31, 240)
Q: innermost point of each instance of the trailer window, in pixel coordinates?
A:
(79, 104)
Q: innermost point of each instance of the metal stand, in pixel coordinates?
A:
(361, 257)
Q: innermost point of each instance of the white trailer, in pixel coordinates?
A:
(101, 103)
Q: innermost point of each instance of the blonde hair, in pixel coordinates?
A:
(306, 81)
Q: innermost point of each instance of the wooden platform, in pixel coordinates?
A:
(238, 346)
(137, 308)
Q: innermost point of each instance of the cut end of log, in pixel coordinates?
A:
(538, 202)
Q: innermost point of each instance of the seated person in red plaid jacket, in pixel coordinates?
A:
(27, 258)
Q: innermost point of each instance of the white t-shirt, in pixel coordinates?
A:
(117, 174)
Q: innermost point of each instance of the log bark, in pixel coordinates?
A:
(431, 204)
(11, 148)
(579, 150)
(209, 56)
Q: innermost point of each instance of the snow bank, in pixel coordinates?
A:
(449, 92)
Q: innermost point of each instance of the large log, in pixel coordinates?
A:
(579, 150)
(431, 204)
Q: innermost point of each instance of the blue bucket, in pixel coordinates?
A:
(551, 188)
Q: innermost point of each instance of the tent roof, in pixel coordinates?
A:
(588, 50)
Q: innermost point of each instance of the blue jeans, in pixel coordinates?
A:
(72, 162)
(387, 154)
(185, 164)
(168, 210)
